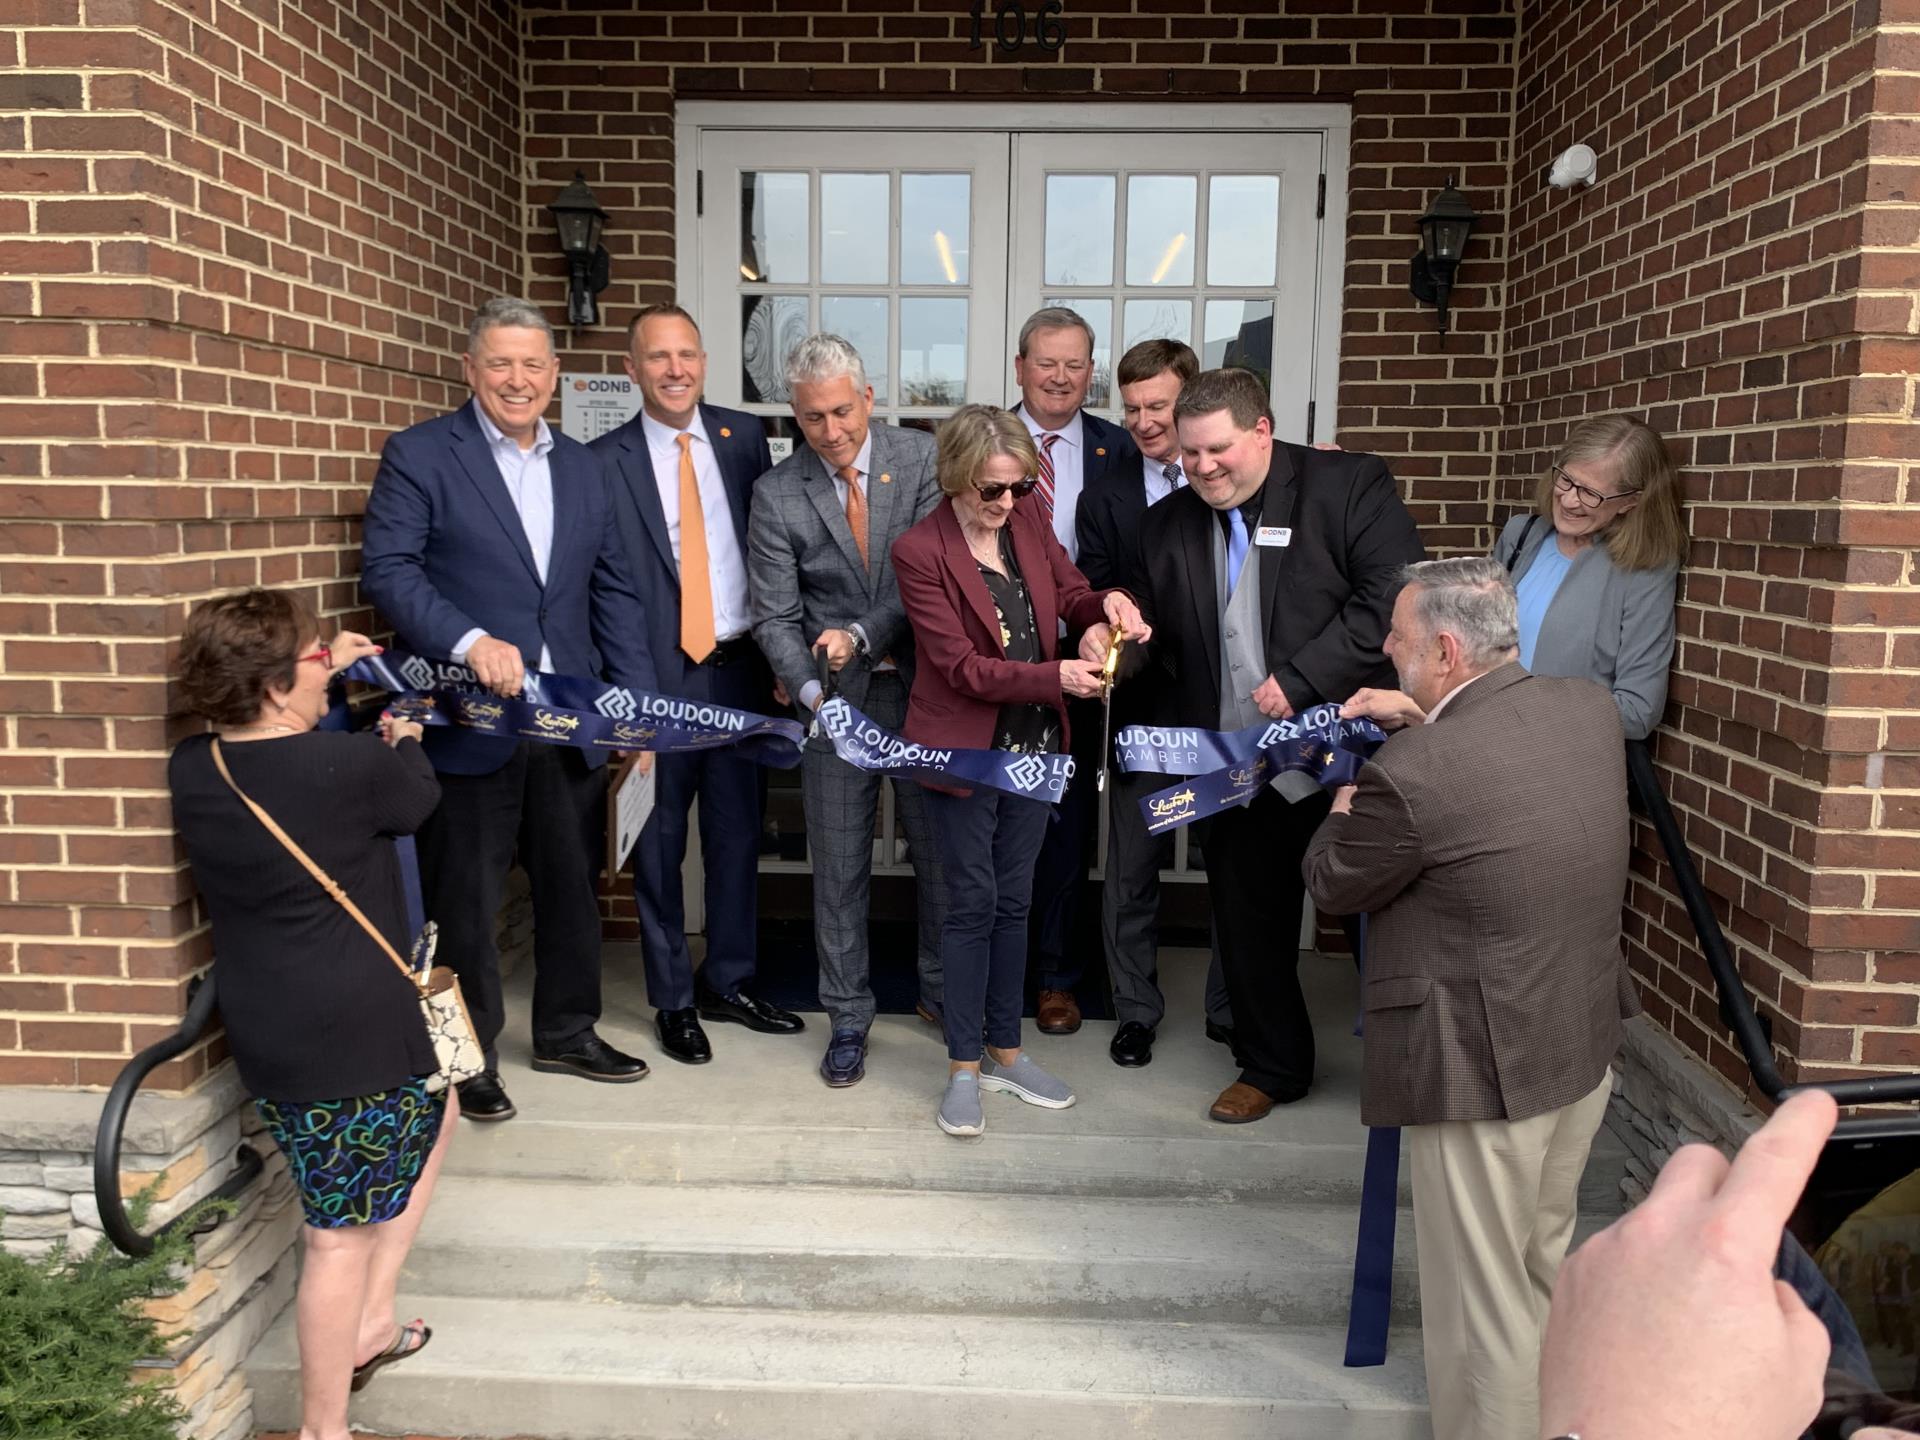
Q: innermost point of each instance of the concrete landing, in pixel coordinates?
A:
(736, 1250)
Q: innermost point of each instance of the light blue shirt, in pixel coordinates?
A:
(1162, 477)
(1536, 591)
(810, 693)
(528, 476)
(1069, 477)
(726, 560)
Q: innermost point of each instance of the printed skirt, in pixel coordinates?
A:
(355, 1161)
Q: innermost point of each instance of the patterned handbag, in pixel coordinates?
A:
(442, 1007)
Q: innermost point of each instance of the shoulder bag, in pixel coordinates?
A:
(449, 1026)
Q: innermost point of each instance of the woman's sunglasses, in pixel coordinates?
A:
(1020, 488)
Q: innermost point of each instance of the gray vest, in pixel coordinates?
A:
(1243, 647)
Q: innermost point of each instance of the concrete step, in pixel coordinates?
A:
(927, 1252)
(612, 1372)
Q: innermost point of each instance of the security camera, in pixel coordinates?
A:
(1576, 166)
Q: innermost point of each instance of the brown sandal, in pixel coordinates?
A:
(398, 1350)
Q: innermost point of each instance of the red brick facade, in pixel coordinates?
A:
(244, 237)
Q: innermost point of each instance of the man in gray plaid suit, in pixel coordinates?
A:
(819, 559)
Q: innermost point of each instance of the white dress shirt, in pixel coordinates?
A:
(726, 562)
(528, 476)
(1154, 475)
(1069, 476)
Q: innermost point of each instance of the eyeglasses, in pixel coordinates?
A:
(1020, 488)
(1585, 494)
(324, 655)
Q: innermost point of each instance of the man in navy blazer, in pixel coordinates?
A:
(488, 542)
(674, 453)
(1080, 454)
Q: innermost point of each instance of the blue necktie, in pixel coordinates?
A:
(1236, 548)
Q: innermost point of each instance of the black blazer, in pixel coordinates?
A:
(740, 446)
(1328, 602)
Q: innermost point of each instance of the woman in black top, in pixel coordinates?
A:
(986, 587)
(325, 1030)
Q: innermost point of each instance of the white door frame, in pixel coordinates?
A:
(1334, 123)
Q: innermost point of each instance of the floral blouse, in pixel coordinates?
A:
(1021, 728)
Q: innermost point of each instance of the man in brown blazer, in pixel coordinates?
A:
(1488, 845)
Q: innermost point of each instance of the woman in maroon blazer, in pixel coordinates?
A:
(986, 586)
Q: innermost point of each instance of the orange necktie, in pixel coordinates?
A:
(696, 580)
(856, 513)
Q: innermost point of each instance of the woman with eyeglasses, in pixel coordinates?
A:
(1595, 565)
(325, 1030)
(986, 588)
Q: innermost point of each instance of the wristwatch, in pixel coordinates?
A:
(859, 641)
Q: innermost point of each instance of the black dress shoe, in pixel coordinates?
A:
(485, 1098)
(1132, 1045)
(592, 1058)
(743, 1009)
(681, 1035)
(1220, 1034)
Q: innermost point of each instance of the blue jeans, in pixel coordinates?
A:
(988, 842)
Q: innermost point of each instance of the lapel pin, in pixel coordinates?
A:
(1098, 449)
(886, 479)
(726, 434)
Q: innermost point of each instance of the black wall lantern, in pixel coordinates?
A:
(579, 219)
(1443, 239)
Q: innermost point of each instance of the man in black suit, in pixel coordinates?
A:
(1079, 453)
(1150, 375)
(682, 475)
(1269, 584)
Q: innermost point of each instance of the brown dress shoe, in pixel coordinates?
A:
(1058, 1013)
(1239, 1103)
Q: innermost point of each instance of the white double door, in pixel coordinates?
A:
(927, 249)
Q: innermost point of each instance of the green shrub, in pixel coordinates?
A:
(71, 1331)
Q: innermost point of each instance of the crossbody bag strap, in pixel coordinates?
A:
(327, 882)
(1519, 545)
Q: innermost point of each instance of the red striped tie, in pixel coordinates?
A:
(1046, 474)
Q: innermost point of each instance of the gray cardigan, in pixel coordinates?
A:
(1606, 624)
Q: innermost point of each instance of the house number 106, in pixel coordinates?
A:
(1010, 25)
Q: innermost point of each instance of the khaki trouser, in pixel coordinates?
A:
(1493, 1211)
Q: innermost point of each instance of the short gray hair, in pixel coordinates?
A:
(824, 356)
(1470, 599)
(1055, 317)
(506, 313)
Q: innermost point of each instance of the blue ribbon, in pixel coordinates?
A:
(1371, 1309)
(1228, 767)
(569, 710)
(872, 747)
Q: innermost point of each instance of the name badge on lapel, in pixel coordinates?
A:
(1273, 535)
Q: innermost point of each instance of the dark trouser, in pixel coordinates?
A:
(841, 802)
(1253, 881)
(728, 789)
(988, 843)
(1130, 908)
(547, 804)
(1061, 875)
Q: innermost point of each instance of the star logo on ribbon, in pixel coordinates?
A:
(617, 704)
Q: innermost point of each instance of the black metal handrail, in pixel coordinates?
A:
(1736, 1007)
(113, 1120)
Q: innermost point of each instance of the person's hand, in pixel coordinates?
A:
(1389, 709)
(780, 695)
(395, 728)
(1669, 1323)
(1343, 800)
(498, 665)
(1271, 701)
(839, 647)
(1094, 643)
(349, 646)
(1126, 617)
(1080, 677)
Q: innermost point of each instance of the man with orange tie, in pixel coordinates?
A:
(682, 474)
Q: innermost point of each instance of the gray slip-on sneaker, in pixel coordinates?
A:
(960, 1112)
(1027, 1080)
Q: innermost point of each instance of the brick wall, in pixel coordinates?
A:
(237, 244)
(1744, 276)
